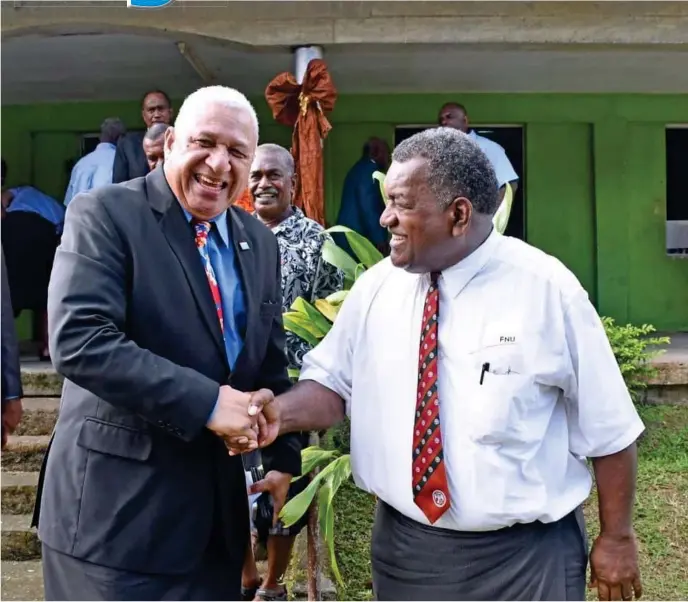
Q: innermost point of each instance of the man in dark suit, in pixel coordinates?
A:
(362, 203)
(130, 159)
(11, 373)
(164, 305)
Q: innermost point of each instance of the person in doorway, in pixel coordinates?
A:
(130, 160)
(31, 228)
(362, 203)
(154, 144)
(95, 168)
(454, 115)
(164, 304)
(11, 370)
(304, 274)
(493, 376)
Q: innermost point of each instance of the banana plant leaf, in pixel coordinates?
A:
(500, 220)
(339, 258)
(327, 309)
(326, 508)
(317, 328)
(380, 177)
(294, 322)
(313, 457)
(293, 373)
(337, 298)
(296, 507)
(365, 250)
(319, 320)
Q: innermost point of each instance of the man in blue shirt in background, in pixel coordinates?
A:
(362, 203)
(95, 168)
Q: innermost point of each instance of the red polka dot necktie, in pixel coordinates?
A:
(202, 231)
(430, 488)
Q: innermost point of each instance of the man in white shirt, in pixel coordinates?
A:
(454, 115)
(478, 378)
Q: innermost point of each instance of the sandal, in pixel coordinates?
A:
(248, 593)
(270, 595)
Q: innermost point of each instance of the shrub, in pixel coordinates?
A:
(634, 350)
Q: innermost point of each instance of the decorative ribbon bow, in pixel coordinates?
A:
(303, 107)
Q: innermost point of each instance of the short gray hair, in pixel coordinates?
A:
(281, 152)
(156, 131)
(112, 129)
(201, 98)
(457, 167)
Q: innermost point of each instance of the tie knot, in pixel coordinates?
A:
(434, 277)
(202, 229)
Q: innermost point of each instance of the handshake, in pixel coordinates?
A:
(245, 421)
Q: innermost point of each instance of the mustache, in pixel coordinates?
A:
(267, 191)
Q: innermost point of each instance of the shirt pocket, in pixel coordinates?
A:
(502, 395)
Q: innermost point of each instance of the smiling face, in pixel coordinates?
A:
(207, 161)
(424, 236)
(271, 185)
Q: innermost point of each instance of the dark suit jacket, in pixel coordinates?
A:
(11, 372)
(130, 160)
(133, 480)
(362, 204)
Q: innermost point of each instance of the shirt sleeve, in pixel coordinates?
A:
(503, 169)
(601, 415)
(69, 195)
(331, 362)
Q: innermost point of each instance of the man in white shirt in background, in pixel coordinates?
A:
(95, 168)
(454, 115)
(478, 379)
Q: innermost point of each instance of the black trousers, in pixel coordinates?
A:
(536, 561)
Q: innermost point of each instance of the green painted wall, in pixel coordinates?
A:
(594, 181)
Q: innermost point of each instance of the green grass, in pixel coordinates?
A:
(660, 514)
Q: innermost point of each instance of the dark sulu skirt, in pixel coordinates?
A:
(535, 561)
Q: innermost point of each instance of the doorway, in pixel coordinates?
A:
(510, 137)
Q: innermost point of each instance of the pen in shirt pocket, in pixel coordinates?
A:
(486, 368)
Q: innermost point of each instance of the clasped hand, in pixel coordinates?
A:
(245, 421)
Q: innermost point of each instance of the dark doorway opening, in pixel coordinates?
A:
(510, 137)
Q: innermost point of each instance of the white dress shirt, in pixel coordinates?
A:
(497, 156)
(515, 445)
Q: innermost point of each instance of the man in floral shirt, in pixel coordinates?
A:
(304, 274)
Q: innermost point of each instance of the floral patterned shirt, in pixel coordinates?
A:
(304, 272)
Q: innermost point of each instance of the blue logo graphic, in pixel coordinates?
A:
(147, 3)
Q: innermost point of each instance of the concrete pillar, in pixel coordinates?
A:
(302, 56)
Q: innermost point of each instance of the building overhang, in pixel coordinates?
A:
(105, 51)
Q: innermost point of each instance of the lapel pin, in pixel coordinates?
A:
(243, 245)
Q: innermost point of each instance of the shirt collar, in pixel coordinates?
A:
(472, 134)
(220, 222)
(106, 145)
(297, 214)
(456, 277)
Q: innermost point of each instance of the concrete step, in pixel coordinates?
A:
(18, 492)
(22, 580)
(670, 384)
(24, 453)
(40, 414)
(19, 540)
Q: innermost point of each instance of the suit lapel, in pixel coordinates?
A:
(248, 269)
(180, 237)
